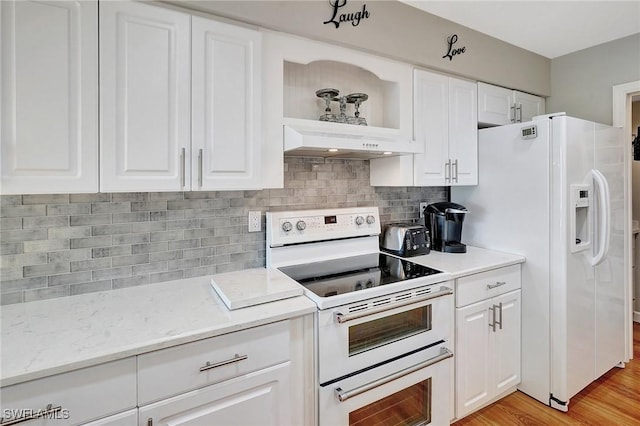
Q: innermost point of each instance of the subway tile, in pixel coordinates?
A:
(130, 217)
(200, 233)
(149, 247)
(10, 199)
(134, 259)
(121, 272)
(151, 226)
(9, 210)
(149, 206)
(12, 261)
(45, 199)
(46, 293)
(130, 281)
(229, 267)
(200, 195)
(153, 196)
(228, 230)
(236, 257)
(184, 204)
(45, 222)
(69, 232)
(7, 286)
(46, 269)
(166, 215)
(131, 238)
(215, 260)
(214, 222)
(182, 224)
(198, 252)
(45, 245)
(9, 223)
(200, 272)
(218, 203)
(68, 279)
(228, 249)
(165, 255)
(215, 241)
(11, 248)
(91, 242)
(169, 235)
(122, 207)
(93, 219)
(120, 228)
(130, 196)
(110, 251)
(90, 198)
(11, 298)
(14, 273)
(166, 276)
(68, 209)
(255, 263)
(19, 235)
(147, 268)
(92, 264)
(90, 287)
(183, 244)
(183, 264)
(69, 255)
(200, 213)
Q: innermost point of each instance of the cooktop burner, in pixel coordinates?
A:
(345, 275)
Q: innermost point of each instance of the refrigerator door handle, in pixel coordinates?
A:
(604, 208)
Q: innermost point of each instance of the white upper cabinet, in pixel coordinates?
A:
(226, 106)
(499, 106)
(145, 97)
(445, 121)
(180, 101)
(49, 121)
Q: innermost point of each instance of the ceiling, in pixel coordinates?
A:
(548, 28)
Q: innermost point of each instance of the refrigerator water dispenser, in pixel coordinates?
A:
(580, 230)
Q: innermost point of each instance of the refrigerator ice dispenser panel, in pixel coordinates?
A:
(580, 218)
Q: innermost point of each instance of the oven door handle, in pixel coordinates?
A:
(342, 318)
(345, 395)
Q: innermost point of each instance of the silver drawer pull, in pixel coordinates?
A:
(345, 395)
(497, 284)
(236, 358)
(35, 414)
(342, 318)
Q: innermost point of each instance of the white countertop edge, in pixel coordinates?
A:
(464, 272)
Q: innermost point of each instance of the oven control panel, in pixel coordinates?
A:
(317, 225)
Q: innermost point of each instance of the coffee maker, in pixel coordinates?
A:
(444, 222)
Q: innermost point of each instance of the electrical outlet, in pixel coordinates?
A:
(422, 206)
(254, 221)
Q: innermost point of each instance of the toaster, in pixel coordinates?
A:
(403, 239)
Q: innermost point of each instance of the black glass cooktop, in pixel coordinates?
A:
(338, 276)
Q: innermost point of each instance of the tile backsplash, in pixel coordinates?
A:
(66, 244)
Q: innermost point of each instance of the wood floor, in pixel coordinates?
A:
(613, 399)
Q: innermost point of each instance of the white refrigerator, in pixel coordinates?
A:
(553, 189)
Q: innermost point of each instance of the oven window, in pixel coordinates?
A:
(410, 406)
(376, 333)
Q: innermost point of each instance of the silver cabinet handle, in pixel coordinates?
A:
(345, 395)
(182, 167)
(455, 175)
(447, 167)
(236, 358)
(497, 284)
(500, 322)
(512, 110)
(342, 318)
(150, 421)
(200, 168)
(36, 414)
(519, 108)
(493, 318)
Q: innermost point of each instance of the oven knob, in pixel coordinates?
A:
(301, 225)
(371, 220)
(359, 220)
(287, 226)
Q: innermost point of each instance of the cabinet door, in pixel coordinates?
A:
(226, 93)
(49, 86)
(527, 106)
(128, 418)
(473, 357)
(463, 132)
(495, 105)
(506, 343)
(144, 99)
(431, 128)
(260, 398)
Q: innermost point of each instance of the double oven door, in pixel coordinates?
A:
(385, 360)
(375, 331)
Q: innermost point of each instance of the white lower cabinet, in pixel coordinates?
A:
(258, 398)
(487, 338)
(128, 418)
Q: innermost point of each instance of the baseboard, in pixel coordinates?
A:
(636, 316)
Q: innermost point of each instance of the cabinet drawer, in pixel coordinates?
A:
(474, 288)
(82, 395)
(172, 371)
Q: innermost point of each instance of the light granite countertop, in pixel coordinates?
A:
(53, 336)
(475, 260)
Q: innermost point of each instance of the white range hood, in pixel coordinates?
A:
(311, 138)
